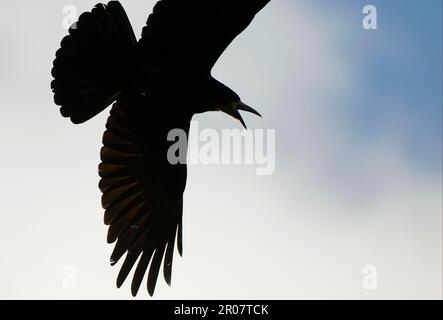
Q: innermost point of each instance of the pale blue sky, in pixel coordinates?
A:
(403, 78)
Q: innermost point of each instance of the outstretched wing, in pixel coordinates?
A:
(142, 191)
(195, 33)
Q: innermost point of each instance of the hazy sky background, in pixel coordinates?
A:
(358, 175)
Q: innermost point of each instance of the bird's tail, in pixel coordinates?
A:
(94, 63)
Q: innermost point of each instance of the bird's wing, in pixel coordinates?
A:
(94, 62)
(142, 192)
(195, 32)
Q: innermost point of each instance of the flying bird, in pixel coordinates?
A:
(154, 85)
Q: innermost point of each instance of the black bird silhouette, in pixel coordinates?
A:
(155, 85)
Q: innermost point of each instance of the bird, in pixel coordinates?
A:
(154, 84)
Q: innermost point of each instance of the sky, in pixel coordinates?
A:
(357, 184)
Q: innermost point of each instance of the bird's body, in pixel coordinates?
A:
(156, 85)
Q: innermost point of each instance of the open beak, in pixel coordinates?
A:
(233, 108)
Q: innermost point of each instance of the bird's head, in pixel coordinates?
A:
(222, 98)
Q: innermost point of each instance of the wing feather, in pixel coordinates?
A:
(142, 193)
(194, 32)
